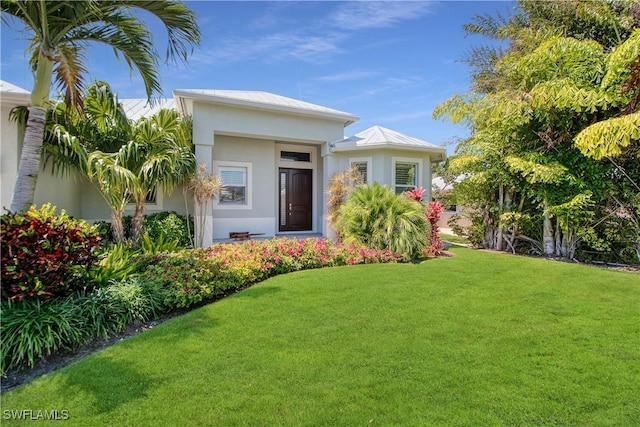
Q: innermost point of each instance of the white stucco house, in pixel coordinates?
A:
(275, 155)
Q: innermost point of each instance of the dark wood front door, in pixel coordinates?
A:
(296, 199)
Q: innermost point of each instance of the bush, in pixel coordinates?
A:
(114, 265)
(185, 277)
(32, 329)
(435, 245)
(168, 226)
(111, 309)
(192, 276)
(44, 254)
(373, 216)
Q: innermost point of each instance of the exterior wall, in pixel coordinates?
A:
(62, 192)
(381, 164)
(260, 214)
(94, 208)
(233, 134)
(9, 153)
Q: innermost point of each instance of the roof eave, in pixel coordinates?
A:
(16, 97)
(347, 119)
(351, 147)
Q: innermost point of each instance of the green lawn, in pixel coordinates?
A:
(478, 339)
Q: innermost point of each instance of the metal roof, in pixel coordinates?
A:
(136, 108)
(379, 137)
(12, 92)
(263, 101)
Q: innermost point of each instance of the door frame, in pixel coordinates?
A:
(308, 209)
(313, 150)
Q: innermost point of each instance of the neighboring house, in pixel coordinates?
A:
(276, 156)
(439, 186)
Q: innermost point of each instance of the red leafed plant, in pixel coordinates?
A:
(432, 213)
(44, 254)
(435, 246)
(415, 194)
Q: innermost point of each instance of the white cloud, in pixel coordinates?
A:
(348, 76)
(377, 14)
(314, 41)
(271, 47)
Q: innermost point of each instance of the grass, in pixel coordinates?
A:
(453, 238)
(475, 339)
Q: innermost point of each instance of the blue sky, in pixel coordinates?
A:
(391, 63)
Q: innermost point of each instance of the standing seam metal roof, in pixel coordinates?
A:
(265, 100)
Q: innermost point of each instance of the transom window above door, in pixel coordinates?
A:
(295, 156)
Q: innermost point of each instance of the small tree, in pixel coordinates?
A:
(374, 216)
(340, 185)
(204, 186)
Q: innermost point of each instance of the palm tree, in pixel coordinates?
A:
(126, 160)
(160, 155)
(374, 216)
(61, 31)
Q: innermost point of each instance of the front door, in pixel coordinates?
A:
(296, 199)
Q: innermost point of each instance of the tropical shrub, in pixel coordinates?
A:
(339, 187)
(115, 264)
(186, 277)
(374, 216)
(192, 276)
(121, 304)
(32, 329)
(169, 226)
(45, 254)
(435, 245)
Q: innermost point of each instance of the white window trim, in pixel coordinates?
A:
(312, 150)
(248, 194)
(414, 160)
(368, 161)
(155, 206)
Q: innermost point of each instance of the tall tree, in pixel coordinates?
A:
(126, 160)
(561, 72)
(62, 31)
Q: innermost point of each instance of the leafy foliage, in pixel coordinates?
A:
(45, 254)
(374, 216)
(32, 329)
(561, 100)
(339, 187)
(435, 245)
(190, 277)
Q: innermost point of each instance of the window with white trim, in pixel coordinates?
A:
(363, 166)
(234, 179)
(405, 176)
(153, 200)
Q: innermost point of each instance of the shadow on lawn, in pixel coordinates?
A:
(111, 382)
(256, 292)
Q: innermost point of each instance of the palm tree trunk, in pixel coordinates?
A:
(25, 186)
(137, 221)
(116, 225)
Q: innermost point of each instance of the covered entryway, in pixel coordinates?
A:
(296, 199)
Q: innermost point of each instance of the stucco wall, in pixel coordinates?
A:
(381, 163)
(9, 154)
